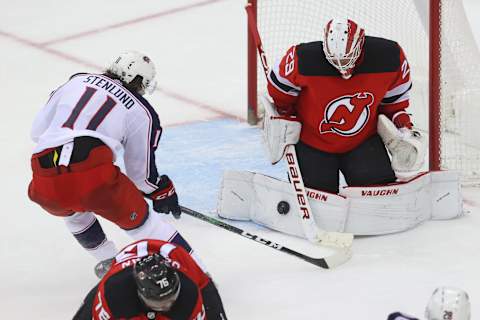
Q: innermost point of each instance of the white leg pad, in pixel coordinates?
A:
(388, 209)
(446, 196)
(236, 196)
(402, 206)
(359, 210)
(253, 196)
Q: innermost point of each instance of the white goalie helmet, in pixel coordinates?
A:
(342, 44)
(130, 64)
(448, 303)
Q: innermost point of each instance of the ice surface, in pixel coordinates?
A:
(199, 48)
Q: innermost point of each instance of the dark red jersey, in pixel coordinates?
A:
(337, 114)
(116, 297)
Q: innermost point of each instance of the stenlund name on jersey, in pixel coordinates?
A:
(123, 95)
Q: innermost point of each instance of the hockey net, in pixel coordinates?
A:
(455, 144)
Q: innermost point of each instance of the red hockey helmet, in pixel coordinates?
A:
(343, 44)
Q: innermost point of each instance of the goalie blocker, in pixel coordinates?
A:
(372, 210)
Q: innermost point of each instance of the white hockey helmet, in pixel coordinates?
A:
(342, 44)
(448, 303)
(130, 64)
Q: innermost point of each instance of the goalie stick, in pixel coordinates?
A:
(312, 232)
(328, 262)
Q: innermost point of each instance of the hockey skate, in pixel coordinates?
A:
(102, 267)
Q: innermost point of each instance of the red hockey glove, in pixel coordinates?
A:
(402, 120)
(165, 198)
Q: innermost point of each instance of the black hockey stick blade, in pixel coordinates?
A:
(339, 256)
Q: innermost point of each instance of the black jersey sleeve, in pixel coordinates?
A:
(85, 310)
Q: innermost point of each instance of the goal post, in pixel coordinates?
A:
(252, 99)
(434, 126)
(438, 43)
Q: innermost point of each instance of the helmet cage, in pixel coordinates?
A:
(343, 44)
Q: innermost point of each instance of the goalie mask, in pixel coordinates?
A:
(448, 303)
(342, 44)
(158, 283)
(133, 66)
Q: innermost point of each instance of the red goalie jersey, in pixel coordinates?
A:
(337, 115)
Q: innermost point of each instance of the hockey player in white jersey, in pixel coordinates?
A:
(87, 123)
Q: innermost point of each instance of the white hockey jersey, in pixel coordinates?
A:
(97, 106)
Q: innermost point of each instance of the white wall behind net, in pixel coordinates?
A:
(283, 23)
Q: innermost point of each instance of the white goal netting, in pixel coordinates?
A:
(283, 23)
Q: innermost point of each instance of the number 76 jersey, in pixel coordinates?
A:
(95, 105)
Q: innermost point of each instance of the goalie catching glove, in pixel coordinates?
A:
(278, 131)
(406, 146)
(165, 198)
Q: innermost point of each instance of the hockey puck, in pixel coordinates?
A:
(283, 207)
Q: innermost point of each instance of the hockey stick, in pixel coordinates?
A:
(338, 258)
(312, 232)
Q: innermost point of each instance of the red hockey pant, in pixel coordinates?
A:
(95, 185)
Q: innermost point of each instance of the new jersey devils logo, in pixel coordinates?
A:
(347, 115)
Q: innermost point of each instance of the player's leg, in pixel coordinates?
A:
(89, 233)
(320, 170)
(60, 190)
(368, 164)
(122, 203)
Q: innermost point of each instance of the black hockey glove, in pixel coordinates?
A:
(212, 302)
(400, 316)
(165, 198)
